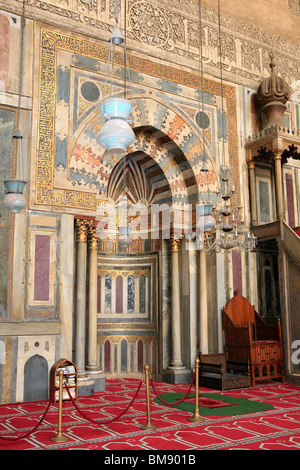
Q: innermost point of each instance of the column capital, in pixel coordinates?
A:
(82, 229)
(251, 164)
(174, 244)
(93, 239)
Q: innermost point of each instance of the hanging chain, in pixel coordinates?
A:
(125, 50)
(117, 11)
(222, 88)
(201, 85)
(201, 78)
(21, 62)
(127, 69)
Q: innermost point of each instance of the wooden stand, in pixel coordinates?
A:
(70, 378)
(148, 425)
(215, 371)
(59, 436)
(196, 418)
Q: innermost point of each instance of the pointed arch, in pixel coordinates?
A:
(145, 180)
(174, 127)
(162, 135)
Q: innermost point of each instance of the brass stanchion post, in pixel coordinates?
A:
(196, 416)
(149, 425)
(59, 437)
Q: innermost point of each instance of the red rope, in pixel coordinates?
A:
(177, 402)
(107, 421)
(35, 428)
(78, 409)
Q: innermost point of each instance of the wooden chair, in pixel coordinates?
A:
(215, 371)
(249, 338)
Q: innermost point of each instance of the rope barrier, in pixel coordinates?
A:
(35, 428)
(148, 425)
(107, 421)
(196, 416)
(179, 401)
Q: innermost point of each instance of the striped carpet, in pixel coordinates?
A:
(90, 425)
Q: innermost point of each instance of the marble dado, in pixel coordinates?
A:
(174, 35)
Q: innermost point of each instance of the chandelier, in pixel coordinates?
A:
(116, 134)
(14, 199)
(222, 228)
(229, 231)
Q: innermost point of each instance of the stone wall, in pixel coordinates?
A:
(66, 46)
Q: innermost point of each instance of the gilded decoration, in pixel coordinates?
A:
(174, 244)
(53, 42)
(82, 227)
(120, 272)
(116, 339)
(93, 238)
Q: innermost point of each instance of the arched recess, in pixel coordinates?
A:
(173, 132)
(161, 134)
(36, 379)
(143, 179)
(172, 161)
(146, 185)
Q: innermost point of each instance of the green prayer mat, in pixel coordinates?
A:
(241, 405)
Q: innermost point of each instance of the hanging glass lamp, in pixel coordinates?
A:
(14, 200)
(116, 133)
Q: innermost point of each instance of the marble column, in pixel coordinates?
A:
(176, 362)
(278, 182)
(82, 229)
(67, 285)
(92, 365)
(251, 167)
(193, 278)
(203, 315)
(165, 302)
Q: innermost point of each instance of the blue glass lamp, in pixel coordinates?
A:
(116, 134)
(14, 200)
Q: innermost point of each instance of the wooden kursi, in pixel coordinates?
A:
(249, 338)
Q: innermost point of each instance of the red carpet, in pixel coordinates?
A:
(275, 429)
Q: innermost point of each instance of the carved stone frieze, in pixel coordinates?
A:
(170, 32)
(294, 7)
